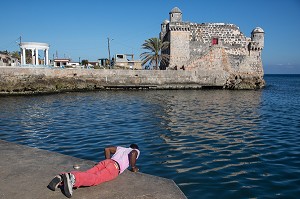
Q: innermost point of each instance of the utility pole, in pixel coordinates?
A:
(108, 46)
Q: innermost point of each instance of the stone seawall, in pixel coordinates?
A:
(16, 80)
(25, 173)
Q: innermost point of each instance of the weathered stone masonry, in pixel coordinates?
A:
(214, 47)
(16, 80)
(40, 80)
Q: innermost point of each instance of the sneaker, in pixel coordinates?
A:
(68, 184)
(55, 182)
(72, 178)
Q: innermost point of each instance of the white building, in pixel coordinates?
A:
(127, 61)
(61, 62)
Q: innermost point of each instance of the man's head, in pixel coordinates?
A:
(134, 146)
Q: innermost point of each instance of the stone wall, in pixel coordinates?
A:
(42, 80)
(230, 38)
(20, 80)
(234, 53)
(226, 33)
(218, 58)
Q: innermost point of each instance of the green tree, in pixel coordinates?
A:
(84, 62)
(154, 55)
(16, 54)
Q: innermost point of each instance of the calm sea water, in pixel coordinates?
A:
(212, 143)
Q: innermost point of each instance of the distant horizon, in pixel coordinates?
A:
(281, 69)
(80, 29)
(282, 74)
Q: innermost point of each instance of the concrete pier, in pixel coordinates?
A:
(25, 173)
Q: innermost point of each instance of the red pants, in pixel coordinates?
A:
(104, 171)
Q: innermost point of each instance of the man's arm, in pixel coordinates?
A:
(109, 150)
(132, 160)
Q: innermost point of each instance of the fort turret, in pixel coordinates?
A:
(163, 31)
(175, 15)
(257, 39)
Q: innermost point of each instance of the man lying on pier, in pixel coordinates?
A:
(104, 171)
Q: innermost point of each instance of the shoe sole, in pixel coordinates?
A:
(54, 183)
(67, 185)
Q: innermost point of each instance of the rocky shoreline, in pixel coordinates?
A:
(23, 81)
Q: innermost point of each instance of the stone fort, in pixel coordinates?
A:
(212, 46)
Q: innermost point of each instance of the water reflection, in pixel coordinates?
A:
(211, 133)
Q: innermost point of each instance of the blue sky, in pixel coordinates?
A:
(80, 28)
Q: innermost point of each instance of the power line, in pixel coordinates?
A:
(11, 44)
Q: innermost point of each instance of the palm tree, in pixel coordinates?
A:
(154, 54)
(85, 62)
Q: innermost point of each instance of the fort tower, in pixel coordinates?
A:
(258, 37)
(175, 15)
(178, 34)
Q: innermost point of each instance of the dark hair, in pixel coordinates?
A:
(134, 146)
